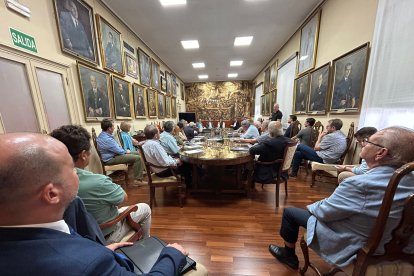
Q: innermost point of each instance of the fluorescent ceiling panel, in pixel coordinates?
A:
(190, 44)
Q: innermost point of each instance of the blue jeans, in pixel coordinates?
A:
(304, 152)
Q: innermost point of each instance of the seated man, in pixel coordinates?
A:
(305, 135)
(351, 170)
(269, 150)
(328, 148)
(263, 136)
(156, 154)
(112, 153)
(128, 142)
(250, 131)
(167, 140)
(339, 225)
(291, 120)
(99, 194)
(39, 169)
(235, 125)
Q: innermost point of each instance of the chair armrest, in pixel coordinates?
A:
(120, 217)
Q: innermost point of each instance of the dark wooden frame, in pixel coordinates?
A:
(137, 90)
(325, 71)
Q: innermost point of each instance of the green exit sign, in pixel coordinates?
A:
(23, 40)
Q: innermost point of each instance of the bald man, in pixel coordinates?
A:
(276, 114)
(38, 181)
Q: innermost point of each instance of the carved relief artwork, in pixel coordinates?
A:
(218, 100)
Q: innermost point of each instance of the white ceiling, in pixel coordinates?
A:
(215, 24)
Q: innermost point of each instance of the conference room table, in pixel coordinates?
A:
(217, 164)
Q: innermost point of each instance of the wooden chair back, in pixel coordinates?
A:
(401, 235)
(316, 129)
(349, 139)
(295, 128)
(118, 133)
(154, 181)
(97, 150)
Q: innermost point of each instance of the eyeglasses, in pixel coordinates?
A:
(366, 141)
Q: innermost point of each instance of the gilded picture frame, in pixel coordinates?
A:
(262, 105)
(309, 35)
(76, 28)
(273, 76)
(161, 105)
(173, 107)
(122, 98)
(168, 107)
(111, 46)
(319, 90)
(349, 72)
(131, 65)
(152, 103)
(144, 68)
(155, 75)
(95, 87)
(163, 84)
(169, 86)
(140, 101)
(300, 95)
(266, 81)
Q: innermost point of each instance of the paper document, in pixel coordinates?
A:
(193, 151)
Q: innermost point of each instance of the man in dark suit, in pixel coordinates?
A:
(40, 170)
(98, 105)
(300, 100)
(122, 101)
(344, 95)
(318, 96)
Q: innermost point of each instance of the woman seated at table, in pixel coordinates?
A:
(128, 142)
(176, 134)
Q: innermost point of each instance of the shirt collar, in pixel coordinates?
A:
(59, 225)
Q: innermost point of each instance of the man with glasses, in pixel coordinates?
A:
(339, 225)
(329, 147)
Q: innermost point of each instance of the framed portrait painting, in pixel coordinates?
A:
(161, 105)
(349, 72)
(131, 65)
(152, 103)
(267, 104)
(155, 75)
(111, 46)
(167, 106)
(262, 105)
(140, 101)
(266, 81)
(122, 98)
(308, 44)
(300, 95)
(173, 108)
(144, 68)
(163, 84)
(173, 85)
(76, 29)
(273, 98)
(182, 90)
(95, 87)
(273, 77)
(319, 90)
(168, 79)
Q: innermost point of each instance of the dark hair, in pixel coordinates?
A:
(168, 126)
(75, 138)
(311, 121)
(150, 131)
(365, 132)
(105, 124)
(180, 125)
(336, 123)
(293, 117)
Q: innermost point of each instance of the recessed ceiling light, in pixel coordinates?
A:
(232, 75)
(173, 2)
(190, 44)
(243, 40)
(201, 77)
(236, 62)
(199, 65)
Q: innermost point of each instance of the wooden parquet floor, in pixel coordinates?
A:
(230, 234)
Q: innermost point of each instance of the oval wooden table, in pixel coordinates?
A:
(215, 159)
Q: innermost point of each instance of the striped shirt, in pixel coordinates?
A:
(108, 146)
(332, 146)
(156, 154)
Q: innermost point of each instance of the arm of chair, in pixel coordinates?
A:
(121, 216)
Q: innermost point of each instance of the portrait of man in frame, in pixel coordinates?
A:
(167, 106)
(301, 94)
(155, 75)
(173, 108)
(122, 98)
(140, 102)
(318, 93)
(161, 105)
(144, 68)
(273, 76)
(308, 44)
(152, 103)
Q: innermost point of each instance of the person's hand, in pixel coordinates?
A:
(116, 245)
(128, 151)
(179, 162)
(323, 133)
(179, 248)
(341, 168)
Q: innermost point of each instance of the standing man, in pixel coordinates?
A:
(344, 96)
(37, 228)
(97, 102)
(122, 101)
(318, 96)
(328, 148)
(73, 33)
(340, 225)
(113, 154)
(99, 194)
(277, 114)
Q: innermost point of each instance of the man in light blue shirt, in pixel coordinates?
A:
(167, 141)
(113, 154)
(340, 225)
(250, 131)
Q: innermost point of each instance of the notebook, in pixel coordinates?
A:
(144, 253)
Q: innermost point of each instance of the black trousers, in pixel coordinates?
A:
(292, 219)
(184, 170)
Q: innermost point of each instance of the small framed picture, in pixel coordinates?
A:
(173, 107)
(122, 98)
(273, 76)
(163, 84)
(144, 68)
(152, 103)
(140, 101)
(167, 107)
(349, 72)
(131, 65)
(95, 87)
(111, 46)
(308, 44)
(161, 105)
(300, 98)
(155, 75)
(318, 91)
